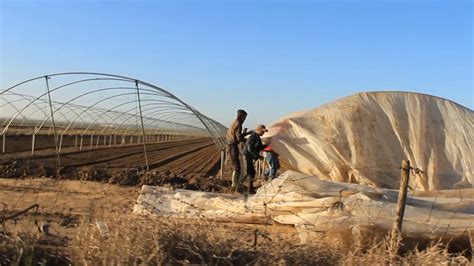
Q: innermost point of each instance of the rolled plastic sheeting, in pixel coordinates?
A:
(313, 204)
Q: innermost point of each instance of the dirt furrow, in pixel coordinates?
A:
(99, 156)
(174, 157)
(193, 162)
(137, 158)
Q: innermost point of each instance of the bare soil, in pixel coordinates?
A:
(191, 164)
(69, 206)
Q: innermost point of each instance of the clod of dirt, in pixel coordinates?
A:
(10, 171)
(126, 177)
(69, 220)
(67, 172)
(93, 174)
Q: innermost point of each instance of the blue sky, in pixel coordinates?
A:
(270, 58)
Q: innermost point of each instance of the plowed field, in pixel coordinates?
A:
(178, 159)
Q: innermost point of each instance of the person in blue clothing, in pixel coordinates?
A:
(271, 157)
(253, 147)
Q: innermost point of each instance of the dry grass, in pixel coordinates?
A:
(381, 254)
(132, 240)
(30, 248)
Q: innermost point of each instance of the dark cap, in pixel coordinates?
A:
(262, 128)
(240, 111)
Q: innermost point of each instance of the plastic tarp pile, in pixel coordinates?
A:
(312, 204)
(364, 137)
(348, 155)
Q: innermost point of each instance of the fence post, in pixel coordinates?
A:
(402, 196)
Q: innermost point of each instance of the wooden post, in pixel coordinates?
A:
(402, 196)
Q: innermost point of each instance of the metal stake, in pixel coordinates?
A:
(143, 127)
(33, 144)
(52, 119)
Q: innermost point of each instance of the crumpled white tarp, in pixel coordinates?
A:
(364, 137)
(350, 152)
(312, 204)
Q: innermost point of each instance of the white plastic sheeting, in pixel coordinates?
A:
(350, 152)
(312, 204)
(364, 137)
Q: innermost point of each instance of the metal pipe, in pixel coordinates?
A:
(214, 129)
(143, 126)
(33, 144)
(52, 119)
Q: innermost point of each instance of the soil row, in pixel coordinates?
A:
(190, 164)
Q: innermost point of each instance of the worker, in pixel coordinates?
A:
(253, 147)
(271, 157)
(235, 136)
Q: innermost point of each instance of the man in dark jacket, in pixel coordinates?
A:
(253, 147)
(235, 136)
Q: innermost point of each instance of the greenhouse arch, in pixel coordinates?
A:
(92, 107)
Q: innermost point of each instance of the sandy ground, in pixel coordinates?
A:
(62, 203)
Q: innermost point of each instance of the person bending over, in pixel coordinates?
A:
(253, 147)
(271, 157)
